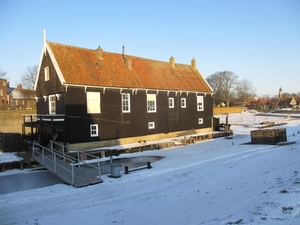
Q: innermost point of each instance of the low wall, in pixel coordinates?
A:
(229, 110)
(126, 141)
(12, 120)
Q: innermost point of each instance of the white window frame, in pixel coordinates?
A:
(200, 103)
(171, 103)
(93, 102)
(151, 103)
(200, 120)
(125, 99)
(52, 104)
(151, 125)
(47, 74)
(183, 102)
(94, 130)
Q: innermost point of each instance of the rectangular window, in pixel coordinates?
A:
(94, 130)
(1, 92)
(183, 102)
(151, 125)
(200, 120)
(125, 102)
(171, 102)
(52, 104)
(46, 71)
(151, 102)
(93, 102)
(200, 103)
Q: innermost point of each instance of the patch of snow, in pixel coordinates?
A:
(9, 157)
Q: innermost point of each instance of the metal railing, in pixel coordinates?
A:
(80, 154)
(39, 150)
(43, 117)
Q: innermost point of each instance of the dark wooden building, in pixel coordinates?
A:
(91, 97)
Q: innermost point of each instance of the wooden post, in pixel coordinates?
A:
(21, 164)
(149, 165)
(126, 170)
(31, 128)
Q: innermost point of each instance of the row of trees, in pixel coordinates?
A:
(227, 86)
(27, 78)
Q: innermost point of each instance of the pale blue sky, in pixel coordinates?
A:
(257, 39)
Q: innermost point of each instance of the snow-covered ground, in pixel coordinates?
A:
(221, 181)
(9, 157)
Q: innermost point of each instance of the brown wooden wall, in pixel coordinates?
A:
(114, 124)
(53, 85)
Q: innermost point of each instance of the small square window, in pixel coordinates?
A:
(171, 102)
(200, 120)
(94, 130)
(47, 76)
(183, 102)
(151, 125)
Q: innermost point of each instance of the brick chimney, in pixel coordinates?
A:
(19, 87)
(193, 63)
(172, 61)
(128, 63)
(99, 52)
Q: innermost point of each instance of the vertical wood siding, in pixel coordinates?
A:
(113, 124)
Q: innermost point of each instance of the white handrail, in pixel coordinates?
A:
(38, 149)
(79, 153)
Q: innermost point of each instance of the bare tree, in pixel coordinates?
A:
(2, 73)
(215, 81)
(223, 84)
(294, 95)
(244, 89)
(29, 76)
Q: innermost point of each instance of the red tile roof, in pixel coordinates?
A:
(81, 66)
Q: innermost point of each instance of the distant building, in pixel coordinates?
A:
(285, 102)
(22, 98)
(261, 103)
(15, 98)
(4, 97)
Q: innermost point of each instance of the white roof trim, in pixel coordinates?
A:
(58, 71)
(53, 59)
(133, 88)
(206, 82)
(39, 68)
